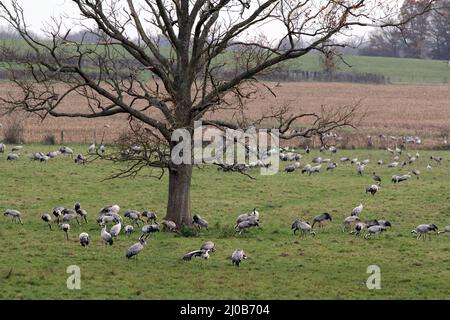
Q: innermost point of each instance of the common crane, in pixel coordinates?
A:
(136, 248)
(84, 239)
(320, 219)
(237, 257)
(16, 215)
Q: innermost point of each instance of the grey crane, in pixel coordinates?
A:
(134, 216)
(199, 221)
(149, 229)
(91, 148)
(57, 212)
(150, 215)
(129, 229)
(370, 223)
(416, 172)
(66, 150)
(66, 228)
(372, 189)
(360, 169)
(16, 148)
(105, 219)
(106, 236)
(306, 168)
(356, 211)
(169, 225)
(196, 253)
(290, 168)
(349, 221)
(115, 229)
(303, 226)
(359, 228)
(237, 257)
(110, 209)
(398, 179)
(2, 148)
(12, 157)
(80, 211)
(53, 154)
(48, 219)
(321, 218)
(376, 178)
(208, 245)
(246, 224)
(424, 229)
(374, 230)
(136, 248)
(253, 215)
(16, 215)
(437, 159)
(80, 159)
(315, 169)
(69, 215)
(331, 166)
(84, 239)
(384, 223)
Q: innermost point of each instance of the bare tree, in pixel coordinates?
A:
(167, 88)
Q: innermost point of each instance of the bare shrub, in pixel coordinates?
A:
(49, 139)
(13, 132)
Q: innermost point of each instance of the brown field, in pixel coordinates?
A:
(422, 110)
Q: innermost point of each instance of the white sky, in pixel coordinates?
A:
(38, 12)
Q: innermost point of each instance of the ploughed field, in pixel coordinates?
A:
(421, 110)
(280, 265)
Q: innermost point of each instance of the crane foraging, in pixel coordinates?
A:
(196, 253)
(424, 229)
(199, 221)
(48, 219)
(150, 215)
(16, 215)
(237, 257)
(374, 230)
(66, 228)
(149, 229)
(84, 239)
(372, 189)
(357, 210)
(303, 226)
(321, 218)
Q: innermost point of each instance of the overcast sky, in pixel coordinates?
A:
(37, 12)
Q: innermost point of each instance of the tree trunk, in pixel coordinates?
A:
(179, 203)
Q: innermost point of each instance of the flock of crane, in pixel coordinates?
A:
(353, 224)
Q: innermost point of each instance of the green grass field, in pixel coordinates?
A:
(398, 70)
(33, 259)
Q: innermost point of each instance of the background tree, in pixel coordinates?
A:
(439, 31)
(167, 88)
(427, 36)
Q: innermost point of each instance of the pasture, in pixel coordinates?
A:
(332, 265)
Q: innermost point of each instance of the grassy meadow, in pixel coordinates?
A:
(398, 70)
(33, 259)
